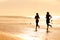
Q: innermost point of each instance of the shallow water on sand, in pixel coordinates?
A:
(24, 28)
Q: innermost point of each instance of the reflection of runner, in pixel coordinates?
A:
(37, 20)
(48, 17)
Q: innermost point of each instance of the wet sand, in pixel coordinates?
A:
(7, 36)
(27, 32)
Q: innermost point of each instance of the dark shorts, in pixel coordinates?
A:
(47, 22)
(37, 21)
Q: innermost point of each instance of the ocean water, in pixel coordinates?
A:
(27, 20)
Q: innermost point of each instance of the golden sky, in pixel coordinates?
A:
(29, 7)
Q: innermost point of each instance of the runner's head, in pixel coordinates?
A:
(47, 13)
